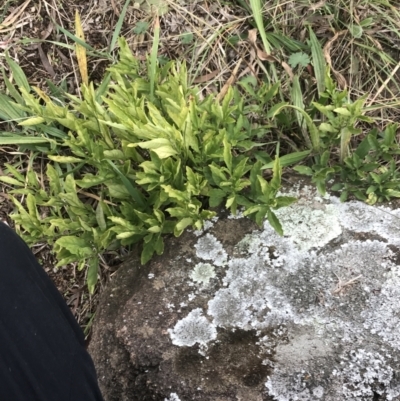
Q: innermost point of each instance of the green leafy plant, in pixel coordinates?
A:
(144, 159)
(141, 27)
(299, 59)
(371, 173)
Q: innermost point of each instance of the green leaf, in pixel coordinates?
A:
(114, 154)
(275, 223)
(304, 170)
(161, 146)
(276, 109)
(318, 61)
(126, 234)
(216, 196)
(343, 111)
(147, 252)
(65, 159)
(393, 193)
(227, 154)
(11, 181)
(187, 38)
(343, 196)
(32, 121)
(284, 201)
(93, 267)
(355, 30)
(118, 191)
(141, 27)
(135, 193)
(22, 140)
(326, 127)
(289, 159)
(217, 175)
(101, 221)
(75, 245)
(181, 225)
(299, 59)
(18, 74)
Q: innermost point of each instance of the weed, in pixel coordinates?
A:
(154, 157)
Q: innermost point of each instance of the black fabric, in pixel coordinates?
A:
(42, 350)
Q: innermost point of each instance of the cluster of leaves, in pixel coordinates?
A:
(369, 171)
(137, 158)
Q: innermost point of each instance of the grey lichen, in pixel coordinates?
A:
(365, 374)
(209, 248)
(202, 273)
(324, 298)
(192, 329)
(172, 397)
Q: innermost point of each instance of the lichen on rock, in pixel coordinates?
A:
(192, 329)
(210, 248)
(203, 273)
(313, 315)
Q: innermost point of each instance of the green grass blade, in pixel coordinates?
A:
(297, 100)
(289, 159)
(18, 74)
(11, 89)
(101, 90)
(318, 61)
(256, 9)
(153, 57)
(7, 109)
(118, 26)
(21, 140)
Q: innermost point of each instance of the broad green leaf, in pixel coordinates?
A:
(393, 193)
(275, 223)
(90, 180)
(65, 159)
(227, 154)
(31, 205)
(181, 225)
(93, 267)
(343, 111)
(118, 191)
(14, 171)
(8, 109)
(75, 245)
(147, 253)
(217, 175)
(122, 222)
(11, 181)
(284, 201)
(326, 127)
(54, 180)
(114, 154)
(161, 146)
(32, 121)
(304, 170)
(101, 221)
(134, 192)
(355, 30)
(175, 194)
(126, 234)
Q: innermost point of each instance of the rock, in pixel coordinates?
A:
(238, 313)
